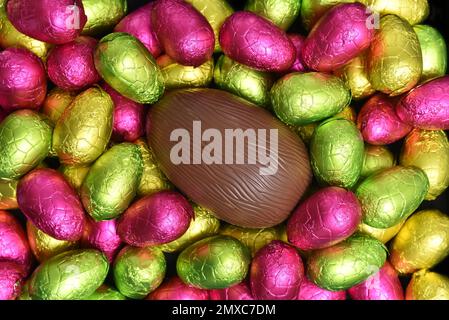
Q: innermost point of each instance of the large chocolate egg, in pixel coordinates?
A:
(229, 156)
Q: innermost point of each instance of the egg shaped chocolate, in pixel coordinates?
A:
(103, 15)
(240, 291)
(310, 291)
(74, 175)
(175, 289)
(414, 11)
(8, 199)
(298, 42)
(281, 12)
(102, 235)
(56, 102)
(313, 10)
(105, 293)
(10, 281)
(427, 285)
(376, 158)
(383, 235)
(270, 187)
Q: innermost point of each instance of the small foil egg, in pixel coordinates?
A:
(175, 289)
(376, 158)
(10, 281)
(313, 10)
(103, 15)
(383, 235)
(240, 291)
(106, 293)
(298, 42)
(74, 175)
(281, 12)
(427, 285)
(414, 11)
(310, 291)
(56, 102)
(8, 199)
(102, 235)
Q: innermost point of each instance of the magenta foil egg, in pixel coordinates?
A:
(48, 200)
(329, 216)
(256, 42)
(138, 24)
(276, 272)
(427, 106)
(23, 81)
(384, 285)
(71, 66)
(102, 235)
(378, 122)
(298, 41)
(52, 21)
(240, 291)
(155, 219)
(310, 291)
(10, 281)
(339, 36)
(175, 289)
(183, 32)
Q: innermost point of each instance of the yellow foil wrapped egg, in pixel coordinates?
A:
(426, 285)
(414, 11)
(383, 235)
(8, 198)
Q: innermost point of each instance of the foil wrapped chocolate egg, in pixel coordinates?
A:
(434, 52)
(414, 11)
(429, 151)
(383, 203)
(376, 158)
(383, 235)
(112, 182)
(327, 217)
(303, 98)
(298, 42)
(56, 102)
(204, 224)
(427, 106)
(184, 33)
(240, 291)
(175, 289)
(103, 15)
(281, 12)
(139, 271)
(248, 83)
(336, 153)
(50, 203)
(71, 66)
(84, 128)
(10, 281)
(25, 138)
(74, 175)
(8, 200)
(251, 40)
(128, 67)
(71, 275)
(313, 10)
(384, 285)
(427, 285)
(52, 21)
(44, 246)
(270, 192)
(138, 24)
(106, 293)
(23, 82)
(339, 36)
(276, 272)
(347, 263)
(394, 58)
(310, 291)
(103, 236)
(215, 262)
(422, 243)
(378, 122)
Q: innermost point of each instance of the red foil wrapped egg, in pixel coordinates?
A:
(175, 289)
(102, 235)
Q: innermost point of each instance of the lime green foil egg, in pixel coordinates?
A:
(392, 195)
(336, 153)
(103, 15)
(303, 98)
(84, 128)
(248, 83)
(347, 263)
(128, 67)
(8, 199)
(139, 271)
(74, 175)
(313, 10)
(376, 158)
(216, 262)
(281, 12)
(112, 181)
(72, 275)
(106, 293)
(25, 140)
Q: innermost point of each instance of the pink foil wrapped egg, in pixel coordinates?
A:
(48, 200)
(102, 235)
(339, 36)
(10, 281)
(427, 106)
(13, 242)
(155, 219)
(52, 21)
(71, 66)
(23, 81)
(298, 41)
(183, 32)
(276, 272)
(384, 285)
(378, 122)
(310, 291)
(138, 24)
(175, 289)
(329, 216)
(240, 291)
(256, 42)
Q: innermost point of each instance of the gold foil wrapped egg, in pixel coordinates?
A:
(383, 235)
(426, 285)
(281, 12)
(8, 200)
(414, 11)
(56, 102)
(103, 15)
(74, 174)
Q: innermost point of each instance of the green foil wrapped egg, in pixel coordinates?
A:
(112, 181)
(139, 271)
(8, 199)
(427, 285)
(303, 98)
(106, 293)
(56, 102)
(248, 83)
(216, 262)
(281, 12)
(336, 153)
(347, 263)
(84, 128)
(392, 195)
(429, 151)
(74, 175)
(313, 10)
(103, 15)
(71, 275)
(25, 140)
(376, 158)
(128, 67)
(414, 11)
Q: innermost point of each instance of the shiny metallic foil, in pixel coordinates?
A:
(56, 102)
(383, 235)
(74, 175)
(240, 291)
(313, 10)
(414, 11)
(8, 200)
(175, 289)
(426, 285)
(376, 158)
(281, 12)
(106, 293)
(103, 15)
